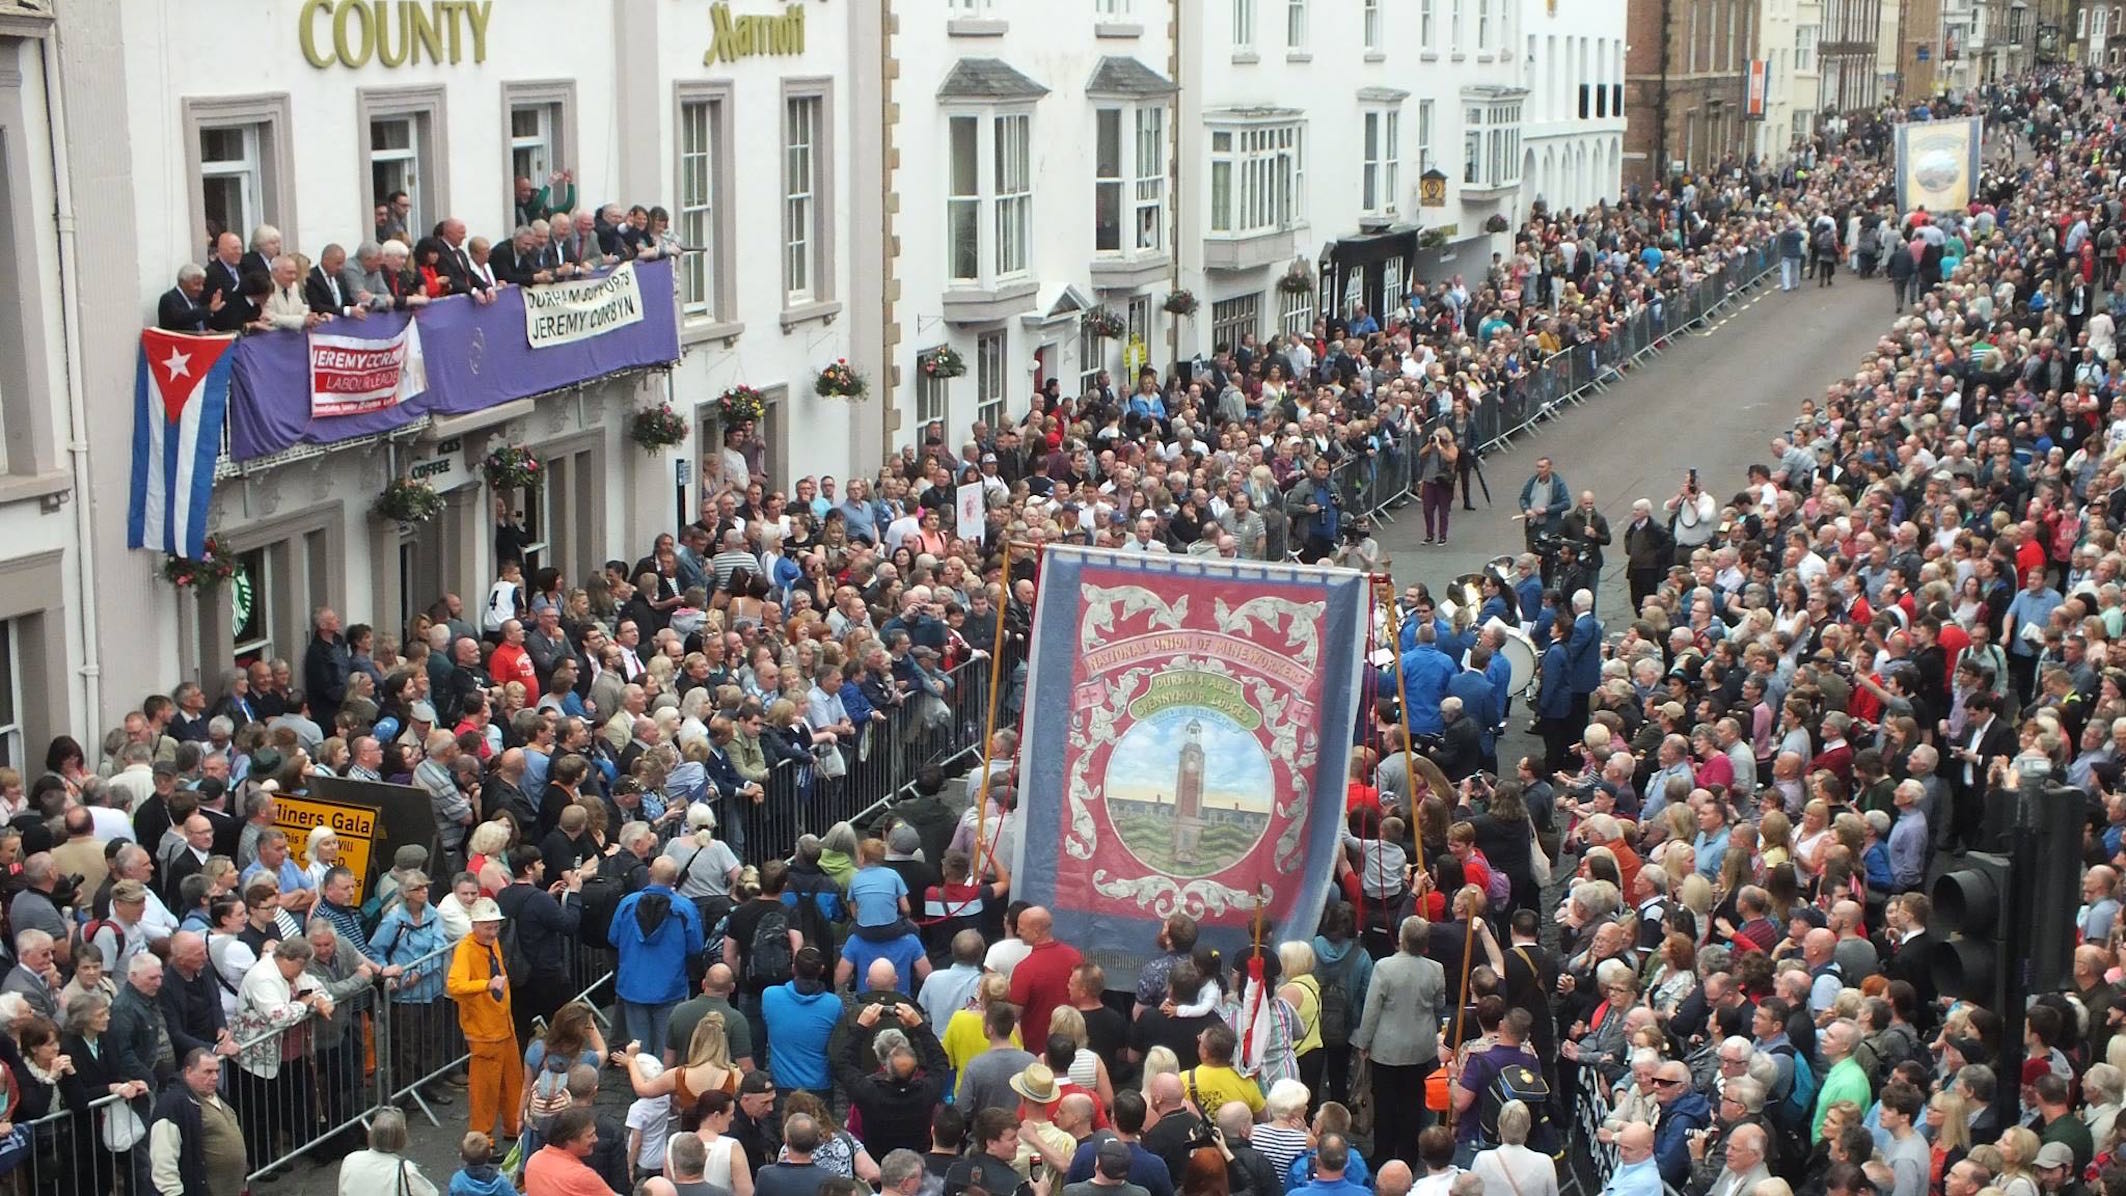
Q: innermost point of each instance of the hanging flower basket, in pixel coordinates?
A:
(408, 500)
(204, 573)
(941, 362)
(840, 381)
(512, 467)
(741, 404)
(1497, 223)
(658, 427)
(1299, 280)
(1104, 323)
(1179, 303)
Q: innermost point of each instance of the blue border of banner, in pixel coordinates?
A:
(1121, 945)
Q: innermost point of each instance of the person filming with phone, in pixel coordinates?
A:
(1693, 518)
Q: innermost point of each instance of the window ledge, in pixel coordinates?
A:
(824, 311)
(1428, 56)
(1299, 56)
(22, 487)
(1457, 56)
(1376, 56)
(1118, 29)
(1487, 58)
(1246, 58)
(976, 27)
(703, 331)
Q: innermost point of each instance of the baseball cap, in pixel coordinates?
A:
(2054, 1154)
(422, 712)
(409, 857)
(756, 1083)
(989, 458)
(485, 910)
(164, 768)
(2035, 1070)
(1114, 1159)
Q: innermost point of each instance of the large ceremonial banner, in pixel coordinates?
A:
(1937, 163)
(1187, 731)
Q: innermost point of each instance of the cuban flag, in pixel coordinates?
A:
(180, 402)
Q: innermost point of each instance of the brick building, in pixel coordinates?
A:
(1685, 71)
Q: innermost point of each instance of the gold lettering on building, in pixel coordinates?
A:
(733, 38)
(394, 32)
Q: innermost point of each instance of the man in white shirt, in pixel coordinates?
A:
(1144, 537)
(286, 307)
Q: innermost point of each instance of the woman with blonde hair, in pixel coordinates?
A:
(965, 1038)
(1948, 1131)
(486, 846)
(1775, 839)
(707, 1069)
(2018, 1173)
(1159, 1061)
(1087, 1069)
(322, 849)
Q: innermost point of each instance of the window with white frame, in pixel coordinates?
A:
(1295, 312)
(929, 397)
(1427, 24)
(1370, 25)
(533, 149)
(801, 131)
(1424, 136)
(1295, 24)
(1137, 315)
(250, 619)
(1382, 171)
(1243, 25)
(1089, 362)
(1014, 191)
(696, 224)
(1107, 180)
(10, 697)
(1454, 25)
(1151, 179)
(397, 162)
(1232, 319)
(989, 195)
(1491, 145)
(1805, 47)
(231, 179)
(1391, 286)
(990, 387)
(1483, 26)
(1114, 10)
(1258, 178)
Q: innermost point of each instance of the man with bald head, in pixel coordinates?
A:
(1745, 1162)
(1819, 949)
(1636, 1173)
(1041, 982)
(1170, 1126)
(1246, 1168)
(654, 932)
(1393, 1179)
(718, 985)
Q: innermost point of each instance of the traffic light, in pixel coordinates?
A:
(2053, 895)
(1970, 904)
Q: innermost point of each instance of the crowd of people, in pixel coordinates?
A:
(1825, 682)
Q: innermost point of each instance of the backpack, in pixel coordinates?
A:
(1522, 1082)
(1825, 241)
(768, 958)
(1801, 1092)
(513, 959)
(1335, 998)
(600, 896)
(1879, 1053)
(549, 1094)
(1498, 889)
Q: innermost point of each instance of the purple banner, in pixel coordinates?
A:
(477, 357)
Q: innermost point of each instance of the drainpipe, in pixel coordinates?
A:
(1659, 175)
(76, 396)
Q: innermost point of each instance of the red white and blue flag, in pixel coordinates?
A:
(180, 402)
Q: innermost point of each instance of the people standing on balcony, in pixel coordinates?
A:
(556, 196)
(187, 307)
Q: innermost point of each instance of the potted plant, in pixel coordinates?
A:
(512, 467)
(1104, 323)
(1299, 280)
(204, 572)
(1179, 303)
(840, 381)
(408, 500)
(741, 404)
(1497, 224)
(658, 427)
(941, 362)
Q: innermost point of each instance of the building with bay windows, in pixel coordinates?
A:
(322, 118)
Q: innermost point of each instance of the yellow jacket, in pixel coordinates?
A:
(480, 1014)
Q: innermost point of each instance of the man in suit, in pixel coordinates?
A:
(1986, 736)
(393, 216)
(367, 263)
(1908, 951)
(1647, 550)
(1584, 648)
(584, 246)
(484, 278)
(265, 246)
(181, 309)
(395, 289)
(557, 253)
(519, 261)
(225, 272)
(458, 264)
(323, 290)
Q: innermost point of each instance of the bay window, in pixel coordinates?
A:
(1258, 178)
(1382, 162)
(989, 195)
(1491, 143)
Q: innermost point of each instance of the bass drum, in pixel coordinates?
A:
(1519, 650)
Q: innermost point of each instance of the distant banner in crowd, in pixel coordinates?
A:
(473, 356)
(180, 399)
(567, 312)
(1188, 728)
(350, 375)
(1937, 163)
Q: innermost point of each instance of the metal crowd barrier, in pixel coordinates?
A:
(67, 1156)
(311, 1084)
(419, 1041)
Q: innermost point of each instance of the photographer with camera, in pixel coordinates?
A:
(1587, 530)
(1358, 549)
(1544, 500)
(1692, 518)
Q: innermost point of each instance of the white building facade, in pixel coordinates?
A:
(1572, 63)
(1787, 33)
(731, 116)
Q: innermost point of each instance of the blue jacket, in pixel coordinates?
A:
(1426, 672)
(1554, 698)
(1480, 703)
(1560, 499)
(799, 1024)
(1500, 673)
(654, 932)
(1530, 591)
(721, 774)
(1687, 1113)
(399, 941)
(1586, 648)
